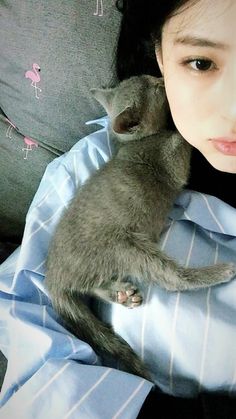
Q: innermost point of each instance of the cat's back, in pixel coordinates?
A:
(132, 185)
(134, 175)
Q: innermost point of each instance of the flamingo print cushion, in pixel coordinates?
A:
(52, 53)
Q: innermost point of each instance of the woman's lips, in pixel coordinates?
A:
(225, 145)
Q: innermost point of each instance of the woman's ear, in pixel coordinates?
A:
(158, 52)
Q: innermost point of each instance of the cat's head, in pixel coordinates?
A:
(137, 107)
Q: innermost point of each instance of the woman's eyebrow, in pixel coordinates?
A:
(199, 42)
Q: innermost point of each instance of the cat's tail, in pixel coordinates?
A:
(80, 320)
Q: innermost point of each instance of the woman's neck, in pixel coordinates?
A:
(205, 178)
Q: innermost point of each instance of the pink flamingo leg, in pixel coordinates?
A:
(96, 13)
(101, 13)
(36, 88)
(29, 146)
(97, 9)
(8, 133)
(10, 128)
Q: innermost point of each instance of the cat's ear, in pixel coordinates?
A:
(126, 122)
(105, 97)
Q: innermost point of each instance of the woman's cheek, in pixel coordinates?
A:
(186, 108)
(179, 105)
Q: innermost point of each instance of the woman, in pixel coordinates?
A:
(187, 339)
(191, 44)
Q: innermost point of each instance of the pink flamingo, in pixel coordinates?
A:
(34, 77)
(101, 8)
(29, 146)
(10, 128)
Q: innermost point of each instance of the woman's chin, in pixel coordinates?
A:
(222, 163)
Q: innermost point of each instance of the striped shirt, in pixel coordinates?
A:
(187, 339)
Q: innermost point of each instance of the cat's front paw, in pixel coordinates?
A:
(226, 271)
(129, 297)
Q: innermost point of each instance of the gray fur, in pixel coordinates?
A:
(111, 229)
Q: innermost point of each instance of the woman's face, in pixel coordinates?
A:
(198, 60)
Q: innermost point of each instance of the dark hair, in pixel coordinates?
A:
(141, 28)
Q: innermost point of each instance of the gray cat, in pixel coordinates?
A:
(111, 229)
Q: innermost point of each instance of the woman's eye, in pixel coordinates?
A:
(200, 64)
